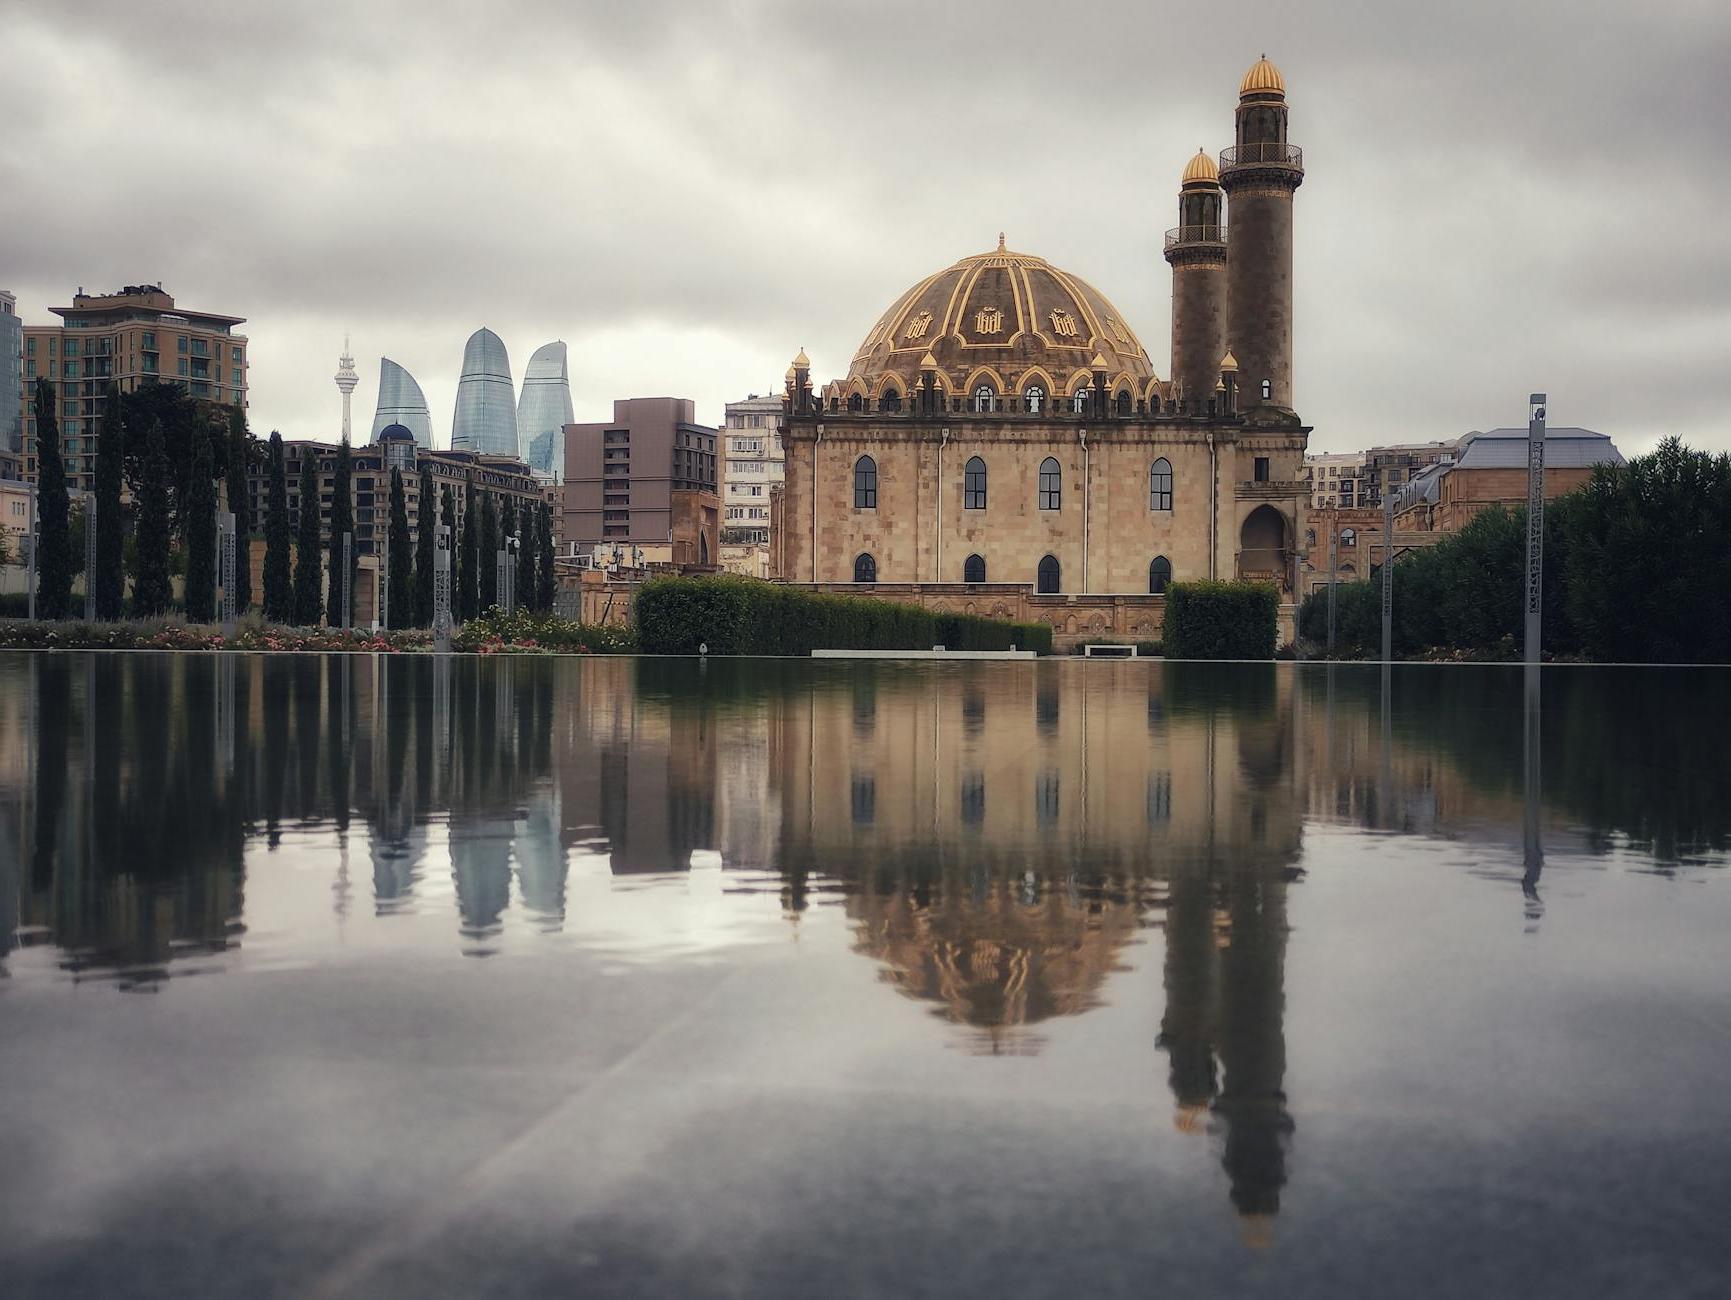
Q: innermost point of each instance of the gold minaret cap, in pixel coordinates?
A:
(928, 362)
(790, 374)
(1098, 363)
(1263, 78)
(1201, 168)
(1229, 363)
(1220, 385)
(802, 362)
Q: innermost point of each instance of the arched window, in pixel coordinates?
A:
(1123, 402)
(1267, 390)
(1159, 575)
(891, 401)
(1160, 485)
(974, 484)
(855, 402)
(865, 569)
(1034, 399)
(1048, 581)
(1079, 400)
(974, 569)
(984, 396)
(1051, 485)
(1348, 539)
(1310, 537)
(865, 484)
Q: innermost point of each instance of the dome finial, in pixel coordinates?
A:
(1000, 241)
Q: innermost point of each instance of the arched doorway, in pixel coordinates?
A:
(1048, 579)
(1262, 546)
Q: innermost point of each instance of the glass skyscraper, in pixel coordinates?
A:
(401, 402)
(485, 421)
(545, 410)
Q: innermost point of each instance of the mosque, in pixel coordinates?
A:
(1003, 443)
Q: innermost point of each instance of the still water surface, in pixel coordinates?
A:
(375, 977)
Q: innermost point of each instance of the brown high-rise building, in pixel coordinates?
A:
(134, 337)
(1259, 174)
(646, 478)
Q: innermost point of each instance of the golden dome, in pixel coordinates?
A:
(790, 375)
(802, 362)
(1201, 168)
(1004, 312)
(1263, 78)
(1228, 363)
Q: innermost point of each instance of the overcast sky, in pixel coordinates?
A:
(1499, 196)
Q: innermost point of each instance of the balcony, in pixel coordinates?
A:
(1272, 490)
(1268, 154)
(1195, 235)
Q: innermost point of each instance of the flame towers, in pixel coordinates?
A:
(545, 410)
(401, 402)
(485, 421)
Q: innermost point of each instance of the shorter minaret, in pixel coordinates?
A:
(346, 381)
(1196, 248)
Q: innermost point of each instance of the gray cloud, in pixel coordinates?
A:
(1499, 197)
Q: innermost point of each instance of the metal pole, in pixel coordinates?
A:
(89, 557)
(1387, 575)
(1533, 856)
(1535, 522)
(1333, 568)
(348, 611)
(30, 541)
(442, 589)
(225, 550)
(382, 585)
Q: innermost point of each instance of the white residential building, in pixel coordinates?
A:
(752, 464)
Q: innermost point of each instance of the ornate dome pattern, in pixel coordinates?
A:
(1003, 313)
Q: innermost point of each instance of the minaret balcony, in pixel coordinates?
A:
(1209, 234)
(1271, 153)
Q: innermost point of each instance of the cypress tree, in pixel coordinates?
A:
(108, 583)
(448, 512)
(468, 550)
(240, 446)
(53, 513)
(279, 600)
(489, 553)
(528, 527)
(151, 591)
(507, 526)
(402, 558)
(307, 567)
(547, 580)
(427, 517)
(199, 517)
(342, 522)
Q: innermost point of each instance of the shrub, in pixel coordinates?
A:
(526, 629)
(746, 616)
(1220, 620)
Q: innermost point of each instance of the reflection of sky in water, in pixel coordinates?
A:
(1218, 939)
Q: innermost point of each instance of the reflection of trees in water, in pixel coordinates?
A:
(153, 772)
(1626, 751)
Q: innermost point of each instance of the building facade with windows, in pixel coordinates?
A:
(133, 337)
(753, 466)
(646, 478)
(1335, 480)
(11, 374)
(1002, 424)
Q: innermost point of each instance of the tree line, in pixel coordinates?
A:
(170, 450)
(1637, 569)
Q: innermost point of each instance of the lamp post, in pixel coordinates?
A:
(1333, 568)
(226, 560)
(1535, 522)
(90, 557)
(442, 590)
(348, 619)
(30, 547)
(508, 571)
(1387, 574)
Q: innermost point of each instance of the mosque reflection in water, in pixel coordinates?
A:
(999, 835)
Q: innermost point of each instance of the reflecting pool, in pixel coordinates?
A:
(386, 976)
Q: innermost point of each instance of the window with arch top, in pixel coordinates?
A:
(1160, 485)
(891, 401)
(974, 569)
(974, 484)
(1122, 402)
(1034, 399)
(865, 484)
(1159, 575)
(1267, 390)
(855, 402)
(1079, 400)
(1051, 485)
(865, 569)
(985, 396)
(1047, 579)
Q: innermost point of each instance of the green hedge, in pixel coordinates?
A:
(1220, 620)
(746, 616)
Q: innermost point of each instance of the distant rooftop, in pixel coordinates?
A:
(133, 297)
(1565, 448)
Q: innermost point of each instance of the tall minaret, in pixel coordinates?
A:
(1197, 252)
(346, 381)
(1259, 174)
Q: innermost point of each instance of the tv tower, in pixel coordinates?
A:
(346, 381)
